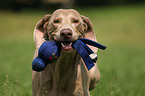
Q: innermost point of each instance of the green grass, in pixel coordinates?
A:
(122, 64)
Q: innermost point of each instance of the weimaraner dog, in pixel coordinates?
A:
(68, 76)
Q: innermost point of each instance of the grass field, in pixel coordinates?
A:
(122, 65)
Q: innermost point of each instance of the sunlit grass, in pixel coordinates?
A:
(122, 67)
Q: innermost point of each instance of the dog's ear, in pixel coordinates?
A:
(40, 33)
(89, 30)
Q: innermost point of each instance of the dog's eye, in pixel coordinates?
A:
(76, 21)
(56, 21)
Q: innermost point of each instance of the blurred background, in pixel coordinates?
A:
(120, 25)
(51, 4)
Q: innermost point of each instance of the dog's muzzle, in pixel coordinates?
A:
(66, 46)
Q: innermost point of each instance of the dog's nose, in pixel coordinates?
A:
(66, 33)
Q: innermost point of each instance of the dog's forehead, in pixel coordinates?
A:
(66, 12)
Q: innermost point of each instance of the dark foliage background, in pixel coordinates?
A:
(19, 4)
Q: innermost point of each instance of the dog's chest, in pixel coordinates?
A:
(63, 80)
(63, 77)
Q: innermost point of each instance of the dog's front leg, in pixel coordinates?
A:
(94, 76)
(85, 79)
(35, 78)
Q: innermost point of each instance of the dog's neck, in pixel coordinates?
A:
(65, 71)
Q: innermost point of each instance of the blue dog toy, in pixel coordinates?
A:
(49, 52)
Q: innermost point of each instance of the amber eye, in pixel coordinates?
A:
(76, 21)
(56, 21)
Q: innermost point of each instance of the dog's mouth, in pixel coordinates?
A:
(66, 46)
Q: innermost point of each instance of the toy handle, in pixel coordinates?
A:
(93, 43)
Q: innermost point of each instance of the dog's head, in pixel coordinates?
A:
(65, 25)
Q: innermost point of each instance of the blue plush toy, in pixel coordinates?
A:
(49, 52)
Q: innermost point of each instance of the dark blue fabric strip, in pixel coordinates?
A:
(89, 51)
(87, 48)
(79, 46)
(93, 43)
